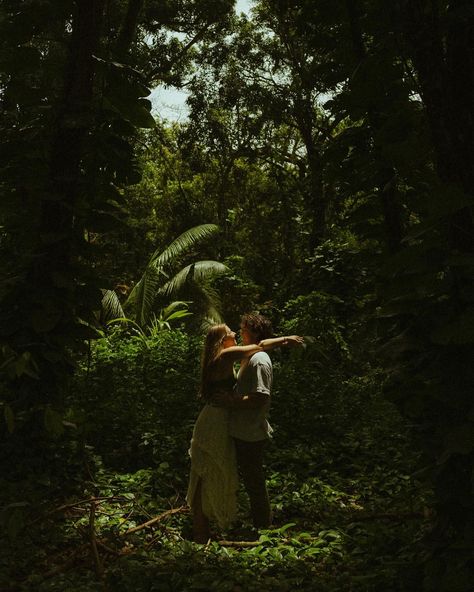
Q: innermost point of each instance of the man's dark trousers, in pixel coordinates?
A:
(250, 463)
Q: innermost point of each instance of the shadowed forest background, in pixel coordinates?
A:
(324, 177)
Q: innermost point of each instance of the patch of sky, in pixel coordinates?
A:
(169, 102)
(243, 6)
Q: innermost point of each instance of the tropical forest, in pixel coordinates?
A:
(319, 172)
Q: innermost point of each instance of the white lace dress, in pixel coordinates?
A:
(213, 461)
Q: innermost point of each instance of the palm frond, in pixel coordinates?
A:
(142, 298)
(177, 304)
(143, 294)
(111, 307)
(206, 324)
(179, 314)
(183, 243)
(196, 273)
(212, 305)
(213, 317)
(176, 310)
(207, 304)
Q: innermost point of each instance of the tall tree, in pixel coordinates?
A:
(400, 97)
(73, 99)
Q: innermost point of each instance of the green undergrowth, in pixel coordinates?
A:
(342, 521)
(349, 512)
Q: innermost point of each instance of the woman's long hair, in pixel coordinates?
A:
(210, 353)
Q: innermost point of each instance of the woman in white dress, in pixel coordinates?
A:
(213, 482)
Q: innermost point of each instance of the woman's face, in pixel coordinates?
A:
(229, 338)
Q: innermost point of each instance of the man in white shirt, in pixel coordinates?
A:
(248, 424)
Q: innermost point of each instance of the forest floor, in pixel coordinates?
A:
(348, 517)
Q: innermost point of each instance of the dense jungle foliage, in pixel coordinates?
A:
(323, 176)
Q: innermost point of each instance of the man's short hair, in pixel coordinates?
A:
(260, 326)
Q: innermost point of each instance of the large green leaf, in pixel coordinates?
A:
(136, 111)
(195, 272)
(111, 306)
(213, 317)
(143, 295)
(176, 309)
(151, 284)
(183, 243)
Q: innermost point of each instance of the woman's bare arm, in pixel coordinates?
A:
(239, 352)
(291, 340)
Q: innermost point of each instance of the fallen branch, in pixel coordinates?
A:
(74, 505)
(109, 549)
(225, 543)
(94, 542)
(153, 540)
(156, 519)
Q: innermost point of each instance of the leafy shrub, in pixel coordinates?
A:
(136, 394)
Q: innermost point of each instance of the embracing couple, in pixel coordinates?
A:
(232, 430)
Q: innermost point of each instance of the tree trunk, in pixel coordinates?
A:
(317, 197)
(75, 119)
(438, 39)
(129, 27)
(441, 47)
(386, 175)
(53, 277)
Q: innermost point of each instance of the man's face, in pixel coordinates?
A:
(248, 337)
